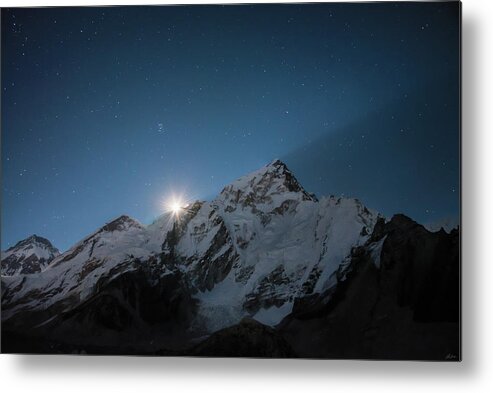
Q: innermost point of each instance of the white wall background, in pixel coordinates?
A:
(76, 374)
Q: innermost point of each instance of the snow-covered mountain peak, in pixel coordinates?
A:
(264, 189)
(112, 232)
(28, 256)
(32, 242)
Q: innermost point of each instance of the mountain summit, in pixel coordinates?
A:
(28, 256)
(269, 185)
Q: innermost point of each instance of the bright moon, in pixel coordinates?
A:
(174, 205)
(175, 208)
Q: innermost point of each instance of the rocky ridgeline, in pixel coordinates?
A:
(265, 260)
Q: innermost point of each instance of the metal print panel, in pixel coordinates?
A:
(278, 180)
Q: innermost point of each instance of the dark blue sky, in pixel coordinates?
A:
(107, 111)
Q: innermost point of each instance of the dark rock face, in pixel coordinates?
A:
(211, 269)
(426, 267)
(265, 294)
(247, 339)
(28, 256)
(28, 265)
(403, 306)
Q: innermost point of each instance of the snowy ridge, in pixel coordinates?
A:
(260, 245)
(75, 272)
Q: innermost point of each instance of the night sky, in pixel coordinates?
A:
(109, 111)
